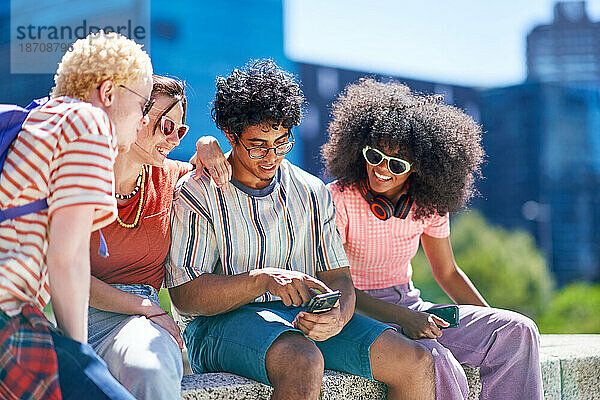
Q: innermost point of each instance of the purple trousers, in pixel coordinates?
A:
(502, 343)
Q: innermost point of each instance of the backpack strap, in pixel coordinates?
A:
(15, 212)
(12, 118)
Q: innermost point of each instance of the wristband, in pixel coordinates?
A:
(157, 315)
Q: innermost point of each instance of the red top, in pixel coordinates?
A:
(137, 255)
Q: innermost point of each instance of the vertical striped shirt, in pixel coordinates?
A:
(64, 152)
(380, 251)
(290, 225)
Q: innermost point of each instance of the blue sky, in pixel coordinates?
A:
(468, 42)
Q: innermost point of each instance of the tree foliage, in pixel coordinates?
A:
(505, 266)
(575, 309)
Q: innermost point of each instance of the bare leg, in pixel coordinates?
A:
(295, 367)
(405, 366)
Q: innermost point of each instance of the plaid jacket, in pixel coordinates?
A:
(28, 364)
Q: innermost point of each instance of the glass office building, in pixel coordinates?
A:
(568, 49)
(543, 171)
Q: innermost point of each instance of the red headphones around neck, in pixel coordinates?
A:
(382, 207)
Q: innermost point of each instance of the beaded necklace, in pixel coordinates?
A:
(141, 203)
(135, 189)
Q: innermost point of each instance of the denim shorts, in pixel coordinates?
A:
(238, 341)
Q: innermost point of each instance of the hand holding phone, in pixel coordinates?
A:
(323, 302)
(448, 314)
(322, 319)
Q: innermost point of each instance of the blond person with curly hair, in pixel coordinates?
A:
(65, 153)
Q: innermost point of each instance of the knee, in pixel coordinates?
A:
(420, 359)
(416, 355)
(516, 334)
(522, 329)
(423, 358)
(143, 381)
(162, 369)
(294, 356)
(308, 359)
(393, 352)
(529, 334)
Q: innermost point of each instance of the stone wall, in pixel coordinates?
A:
(570, 371)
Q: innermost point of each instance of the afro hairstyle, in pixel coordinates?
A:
(442, 142)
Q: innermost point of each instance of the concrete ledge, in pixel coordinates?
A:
(570, 371)
(224, 386)
(571, 366)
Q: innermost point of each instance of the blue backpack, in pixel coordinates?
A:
(12, 118)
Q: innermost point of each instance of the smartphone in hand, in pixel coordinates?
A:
(447, 313)
(323, 302)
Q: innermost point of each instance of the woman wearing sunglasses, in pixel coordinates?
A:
(138, 340)
(402, 162)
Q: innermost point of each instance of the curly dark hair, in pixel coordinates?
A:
(260, 92)
(442, 142)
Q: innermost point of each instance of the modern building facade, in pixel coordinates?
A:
(543, 171)
(17, 88)
(544, 148)
(568, 49)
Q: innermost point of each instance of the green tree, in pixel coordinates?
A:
(575, 309)
(165, 300)
(505, 266)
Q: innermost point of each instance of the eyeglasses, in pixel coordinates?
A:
(168, 126)
(148, 101)
(261, 152)
(397, 166)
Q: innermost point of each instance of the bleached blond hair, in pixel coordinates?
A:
(96, 58)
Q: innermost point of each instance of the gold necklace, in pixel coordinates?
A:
(139, 210)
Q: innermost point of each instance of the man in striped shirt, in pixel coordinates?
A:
(65, 153)
(243, 261)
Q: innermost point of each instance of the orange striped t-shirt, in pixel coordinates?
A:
(64, 152)
(379, 251)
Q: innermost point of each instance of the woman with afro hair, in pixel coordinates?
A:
(402, 162)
